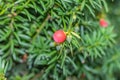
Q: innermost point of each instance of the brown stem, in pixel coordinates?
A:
(41, 27)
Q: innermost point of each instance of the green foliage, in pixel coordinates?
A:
(97, 42)
(3, 69)
(27, 26)
(25, 77)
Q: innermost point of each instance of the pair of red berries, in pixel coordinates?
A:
(60, 36)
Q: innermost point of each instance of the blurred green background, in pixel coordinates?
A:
(114, 15)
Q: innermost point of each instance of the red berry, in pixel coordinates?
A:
(59, 36)
(103, 23)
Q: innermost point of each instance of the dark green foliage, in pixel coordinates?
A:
(26, 29)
